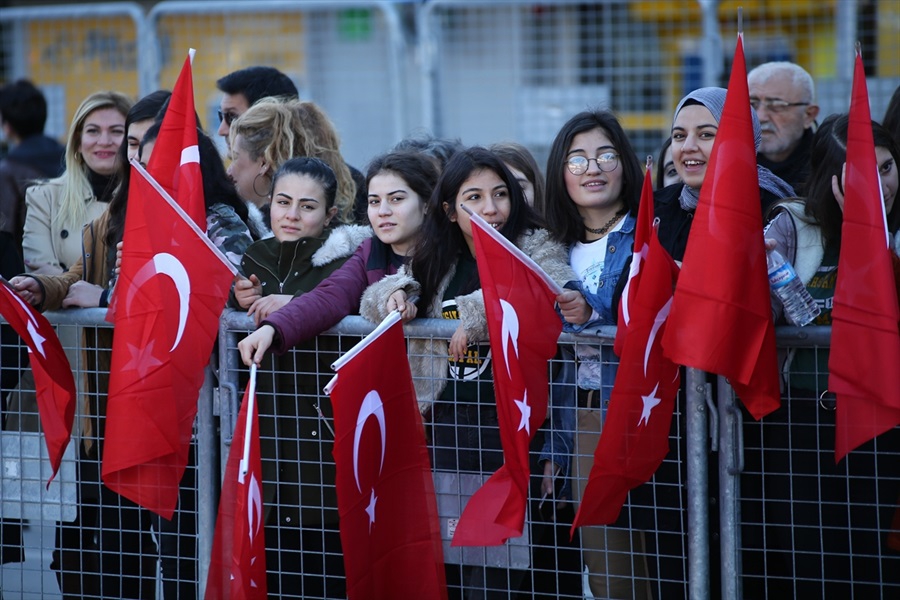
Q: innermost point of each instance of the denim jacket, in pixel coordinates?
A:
(559, 445)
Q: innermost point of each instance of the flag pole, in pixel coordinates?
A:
(248, 425)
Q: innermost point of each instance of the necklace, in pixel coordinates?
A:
(609, 224)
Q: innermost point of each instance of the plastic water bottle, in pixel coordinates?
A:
(799, 307)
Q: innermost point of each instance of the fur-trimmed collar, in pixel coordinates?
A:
(343, 242)
(256, 223)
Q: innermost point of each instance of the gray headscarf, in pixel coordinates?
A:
(713, 98)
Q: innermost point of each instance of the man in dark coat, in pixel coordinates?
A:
(784, 98)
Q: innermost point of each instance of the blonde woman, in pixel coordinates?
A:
(57, 210)
(270, 133)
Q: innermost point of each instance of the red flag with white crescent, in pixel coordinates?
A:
(389, 525)
(721, 319)
(171, 289)
(55, 386)
(635, 436)
(865, 342)
(237, 567)
(638, 256)
(524, 327)
(175, 162)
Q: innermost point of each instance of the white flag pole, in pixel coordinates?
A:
(248, 425)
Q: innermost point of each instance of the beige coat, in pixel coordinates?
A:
(48, 242)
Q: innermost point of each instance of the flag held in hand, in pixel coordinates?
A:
(171, 289)
(721, 318)
(635, 436)
(523, 325)
(865, 342)
(55, 386)
(237, 567)
(388, 512)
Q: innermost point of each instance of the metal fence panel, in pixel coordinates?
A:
(517, 70)
(345, 57)
(73, 51)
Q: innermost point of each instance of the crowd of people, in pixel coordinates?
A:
(315, 240)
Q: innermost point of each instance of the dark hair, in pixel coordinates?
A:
(661, 163)
(23, 107)
(827, 158)
(891, 120)
(561, 213)
(258, 82)
(144, 109)
(217, 187)
(417, 170)
(521, 159)
(441, 240)
(440, 150)
(314, 168)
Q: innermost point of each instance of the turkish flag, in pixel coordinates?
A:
(175, 162)
(52, 373)
(635, 436)
(721, 318)
(388, 512)
(237, 567)
(519, 301)
(865, 342)
(642, 231)
(172, 287)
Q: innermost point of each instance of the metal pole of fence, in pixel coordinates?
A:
(207, 476)
(712, 43)
(697, 482)
(847, 34)
(730, 468)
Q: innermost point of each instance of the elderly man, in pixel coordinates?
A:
(784, 98)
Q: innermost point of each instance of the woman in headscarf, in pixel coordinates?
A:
(694, 130)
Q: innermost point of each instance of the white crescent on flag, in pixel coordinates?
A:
(637, 258)
(371, 406)
(509, 331)
(657, 323)
(165, 264)
(32, 325)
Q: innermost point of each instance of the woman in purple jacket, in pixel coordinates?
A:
(399, 185)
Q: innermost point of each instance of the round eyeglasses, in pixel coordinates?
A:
(606, 162)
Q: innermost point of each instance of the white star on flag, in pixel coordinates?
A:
(650, 403)
(370, 509)
(525, 409)
(37, 338)
(142, 359)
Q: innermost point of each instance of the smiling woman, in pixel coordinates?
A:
(58, 209)
(694, 129)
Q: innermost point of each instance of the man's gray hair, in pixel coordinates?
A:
(798, 76)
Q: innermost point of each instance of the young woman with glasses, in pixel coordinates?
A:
(593, 192)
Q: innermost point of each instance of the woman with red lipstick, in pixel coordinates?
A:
(693, 136)
(58, 209)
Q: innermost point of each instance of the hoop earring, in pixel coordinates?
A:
(256, 191)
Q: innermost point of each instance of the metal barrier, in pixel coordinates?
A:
(769, 514)
(349, 58)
